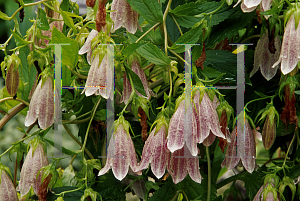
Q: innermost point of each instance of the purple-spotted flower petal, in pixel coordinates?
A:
(7, 188)
(245, 149)
(155, 152)
(124, 16)
(207, 118)
(181, 163)
(86, 48)
(42, 105)
(32, 164)
(100, 79)
(290, 49)
(121, 154)
(264, 59)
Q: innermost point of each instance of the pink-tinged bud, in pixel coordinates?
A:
(181, 163)
(207, 117)
(155, 152)
(267, 192)
(269, 133)
(264, 59)
(35, 160)
(7, 188)
(87, 48)
(42, 105)
(100, 79)
(121, 152)
(245, 149)
(290, 49)
(12, 75)
(176, 132)
(127, 88)
(124, 16)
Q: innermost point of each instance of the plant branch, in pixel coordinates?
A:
(140, 38)
(16, 99)
(165, 27)
(12, 113)
(209, 173)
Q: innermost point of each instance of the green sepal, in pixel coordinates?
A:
(49, 170)
(35, 142)
(89, 192)
(272, 178)
(137, 102)
(228, 109)
(126, 124)
(287, 181)
(268, 189)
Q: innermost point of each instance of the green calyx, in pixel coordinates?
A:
(269, 189)
(271, 112)
(287, 181)
(138, 102)
(35, 142)
(272, 178)
(292, 83)
(125, 124)
(12, 61)
(228, 109)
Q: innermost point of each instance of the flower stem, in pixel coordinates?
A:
(251, 37)
(12, 113)
(140, 38)
(165, 27)
(209, 174)
(156, 83)
(287, 152)
(257, 100)
(177, 24)
(17, 99)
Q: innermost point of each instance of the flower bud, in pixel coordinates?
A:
(12, 75)
(7, 188)
(35, 160)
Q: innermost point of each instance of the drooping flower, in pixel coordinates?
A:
(7, 188)
(181, 163)
(124, 16)
(177, 134)
(155, 152)
(242, 146)
(290, 49)
(264, 59)
(207, 118)
(87, 48)
(120, 153)
(42, 104)
(127, 89)
(268, 190)
(35, 160)
(100, 78)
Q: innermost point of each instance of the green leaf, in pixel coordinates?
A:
(297, 92)
(69, 52)
(20, 148)
(42, 21)
(229, 27)
(150, 10)
(164, 193)
(273, 10)
(71, 196)
(68, 20)
(131, 48)
(65, 4)
(27, 74)
(189, 37)
(110, 188)
(216, 164)
(137, 83)
(3, 16)
(154, 55)
(19, 39)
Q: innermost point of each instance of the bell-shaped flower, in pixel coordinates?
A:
(127, 89)
(120, 153)
(290, 49)
(177, 133)
(207, 118)
(124, 16)
(182, 162)
(42, 104)
(264, 59)
(155, 152)
(100, 78)
(242, 136)
(35, 160)
(7, 188)
(87, 48)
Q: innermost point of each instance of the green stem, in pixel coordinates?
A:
(86, 136)
(165, 27)
(178, 56)
(177, 24)
(209, 174)
(77, 141)
(149, 66)
(251, 37)
(256, 100)
(16, 99)
(140, 38)
(212, 12)
(77, 122)
(77, 74)
(67, 122)
(80, 32)
(156, 83)
(70, 191)
(286, 155)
